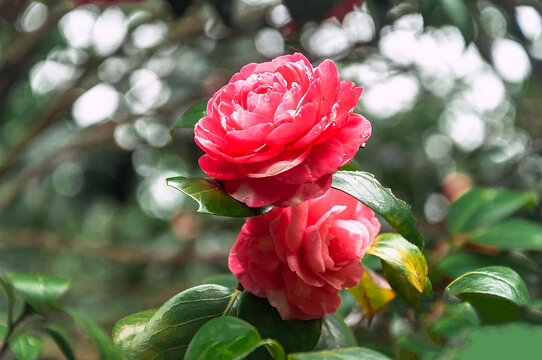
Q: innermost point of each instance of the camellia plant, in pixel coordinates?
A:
(282, 134)
(279, 140)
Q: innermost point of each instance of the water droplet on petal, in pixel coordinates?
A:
(363, 145)
(365, 134)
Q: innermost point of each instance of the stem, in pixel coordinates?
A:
(26, 311)
(236, 293)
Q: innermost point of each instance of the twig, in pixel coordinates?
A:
(27, 310)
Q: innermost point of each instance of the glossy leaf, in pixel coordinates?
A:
(354, 353)
(481, 207)
(293, 335)
(25, 346)
(212, 198)
(191, 117)
(404, 266)
(373, 293)
(228, 338)
(497, 293)
(514, 234)
(39, 291)
(129, 327)
(169, 331)
(364, 187)
(106, 350)
(335, 334)
(62, 340)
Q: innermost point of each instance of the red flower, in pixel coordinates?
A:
(300, 257)
(278, 130)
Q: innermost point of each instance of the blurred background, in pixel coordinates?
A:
(88, 93)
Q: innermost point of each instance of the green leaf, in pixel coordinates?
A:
(8, 290)
(459, 263)
(404, 266)
(169, 331)
(190, 117)
(348, 302)
(212, 198)
(335, 334)
(293, 335)
(502, 342)
(62, 340)
(228, 338)
(497, 293)
(455, 318)
(513, 234)
(39, 291)
(364, 187)
(481, 207)
(459, 14)
(373, 293)
(25, 346)
(106, 350)
(226, 280)
(355, 353)
(129, 327)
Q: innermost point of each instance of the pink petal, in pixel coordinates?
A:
(302, 122)
(277, 165)
(219, 168)
(353, 135)
(323, 160)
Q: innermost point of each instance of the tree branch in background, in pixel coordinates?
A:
(56, 243)
(19, 55)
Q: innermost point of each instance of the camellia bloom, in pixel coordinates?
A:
(299, 257)
(277, 131)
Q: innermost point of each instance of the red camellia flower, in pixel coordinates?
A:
(299, 257)
(277, 131)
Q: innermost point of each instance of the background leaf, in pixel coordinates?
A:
(293, 335)
(459, 14)
(212, 198)
(502, 342)
(191, 116)
(226, 280)
(454, 318)
(227, 338)
(516, 234)
(373, 292)
(62, 340)
(169, 331)
(39, 291)
(461, 262)
(25, 346)
(335, 334)
(497, 293)
(106, 350)
(128, 327)
(404, 266)
(483, 207)
(355, 353)
(364, 187)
